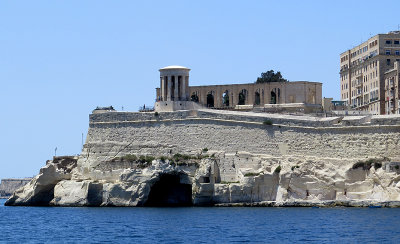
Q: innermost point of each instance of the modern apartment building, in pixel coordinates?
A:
(368, 74)
(392, 92)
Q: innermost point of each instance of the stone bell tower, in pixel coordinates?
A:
(173, 93)
(174, 83)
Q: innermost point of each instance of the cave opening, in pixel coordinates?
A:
(168, 191)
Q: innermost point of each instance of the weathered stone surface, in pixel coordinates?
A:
(40, 190)
(8, 186)
(227, 158)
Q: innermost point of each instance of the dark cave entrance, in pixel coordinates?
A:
(168, 191)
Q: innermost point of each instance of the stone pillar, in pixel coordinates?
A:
(262, 97)
(161, 95)
(169, 84)
(176, 95)
(250, 96)
(187, 86)
(183, 89)
(218, 98)
(203, 97)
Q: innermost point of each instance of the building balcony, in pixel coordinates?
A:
(344, 69)
(373, 99)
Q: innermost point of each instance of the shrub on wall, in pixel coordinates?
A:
(366, 165)
(268, 122)
(129, 157)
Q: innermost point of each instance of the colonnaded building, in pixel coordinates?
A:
(369, 75)
(175, 93)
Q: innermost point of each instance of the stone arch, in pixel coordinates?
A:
(170, 191)
(210, 99)
(225, 99)
(275, 95)
(257, 97)
(242, 97)
(194, 97)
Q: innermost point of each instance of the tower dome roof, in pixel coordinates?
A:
(174, 67)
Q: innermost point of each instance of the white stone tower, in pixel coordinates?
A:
(174, 83)
(173, 93)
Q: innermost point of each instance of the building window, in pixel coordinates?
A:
(388, 42)
(388, 61)
(396, 42)
(387, 52)
(397, 52)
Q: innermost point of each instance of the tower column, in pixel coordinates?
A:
(183, 89)
(176, 95)
(169, 84)
(161, 95)
(187, 86)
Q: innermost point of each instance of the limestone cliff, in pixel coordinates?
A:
(211, 157)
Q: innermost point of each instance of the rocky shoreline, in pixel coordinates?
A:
(323, 204)
(196, 182)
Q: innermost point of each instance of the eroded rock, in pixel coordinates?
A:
(70, 181)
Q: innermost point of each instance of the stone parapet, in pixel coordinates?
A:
(275, 119)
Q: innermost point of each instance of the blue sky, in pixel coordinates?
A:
(61, 59)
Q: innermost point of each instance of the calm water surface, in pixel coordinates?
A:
(198, 225)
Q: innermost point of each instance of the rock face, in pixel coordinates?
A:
(165, 182)
(8, 186)
(212, 158)
(40, 190)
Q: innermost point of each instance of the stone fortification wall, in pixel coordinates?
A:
(8, 186)
(225, 157)
(118, 133)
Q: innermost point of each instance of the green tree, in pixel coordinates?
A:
(270, 76)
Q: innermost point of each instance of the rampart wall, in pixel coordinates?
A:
(118, 133)
(8, 186)
(250, 158)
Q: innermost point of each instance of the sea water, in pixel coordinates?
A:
(198, 225)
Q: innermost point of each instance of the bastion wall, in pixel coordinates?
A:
(8, 186)
(117, 133)
(250, 157)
